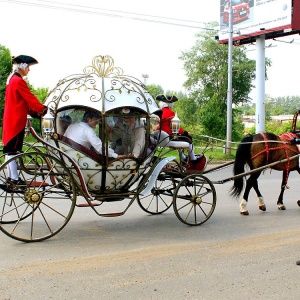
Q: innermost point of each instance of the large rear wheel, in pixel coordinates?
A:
(42, 203)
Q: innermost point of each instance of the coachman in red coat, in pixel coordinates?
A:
(166, 104)
(19, 102)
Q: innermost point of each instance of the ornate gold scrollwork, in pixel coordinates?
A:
(103, 66)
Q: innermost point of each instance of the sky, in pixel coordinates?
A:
(65, 40)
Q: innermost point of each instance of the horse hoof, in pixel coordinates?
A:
(281, 207)
(244, 213)
(262, 207)
(298, 202)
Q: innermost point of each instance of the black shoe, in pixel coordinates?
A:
(18, 181)
(195, 161)
(198, 157)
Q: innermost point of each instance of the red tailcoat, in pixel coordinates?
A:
(166, 120)
(19, 101)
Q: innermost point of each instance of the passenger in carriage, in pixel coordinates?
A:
(83, 133)
(64, 122)
(127, 136)
(166, 104)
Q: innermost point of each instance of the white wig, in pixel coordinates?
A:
(22, 66)
(165, 104)
(16, 67)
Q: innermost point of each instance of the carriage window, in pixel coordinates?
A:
(71, 116)
(126, 134)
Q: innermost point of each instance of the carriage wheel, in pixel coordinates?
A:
(43, 204)
(161, 197)
(194, 200)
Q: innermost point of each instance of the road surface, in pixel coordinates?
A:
(137, 256)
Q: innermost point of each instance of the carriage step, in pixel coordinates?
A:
(112, 199)
(117, 214)
(88, 204)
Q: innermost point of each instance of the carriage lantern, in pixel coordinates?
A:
(175, 124)
(28, 125)
(47, 124)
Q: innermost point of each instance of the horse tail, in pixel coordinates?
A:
(242, 156)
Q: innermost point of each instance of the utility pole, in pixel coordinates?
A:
(145, 76)
(260, 84)
(229, 89)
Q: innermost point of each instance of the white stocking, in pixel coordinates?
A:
(12, 168)
(191, 152)
(8, 168)
(182, 155)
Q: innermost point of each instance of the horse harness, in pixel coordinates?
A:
(287, 136)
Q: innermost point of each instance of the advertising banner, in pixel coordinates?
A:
(254, 17)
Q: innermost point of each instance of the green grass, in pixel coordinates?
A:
(214, 154)
(219, 155)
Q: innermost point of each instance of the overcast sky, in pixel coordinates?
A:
(65, 40)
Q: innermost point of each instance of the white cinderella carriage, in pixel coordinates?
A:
(61, 174)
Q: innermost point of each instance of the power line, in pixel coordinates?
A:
(111, 13)
(120, 11)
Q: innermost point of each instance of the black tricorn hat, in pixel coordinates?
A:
(166, 98)
(24, 59)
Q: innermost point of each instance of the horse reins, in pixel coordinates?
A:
(284, 146)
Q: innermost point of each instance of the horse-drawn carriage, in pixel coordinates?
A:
(131, 165)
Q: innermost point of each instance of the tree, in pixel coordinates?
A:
(155, 90)
(275, 106)
(41, 93)
(186, 108)
(5, 70)
(206, 66)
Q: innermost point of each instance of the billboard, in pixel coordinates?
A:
(252, 18)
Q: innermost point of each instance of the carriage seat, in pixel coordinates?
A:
(165, 141)
(96, 156)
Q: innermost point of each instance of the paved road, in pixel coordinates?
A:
(137, 256)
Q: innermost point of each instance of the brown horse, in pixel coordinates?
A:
(257, 151)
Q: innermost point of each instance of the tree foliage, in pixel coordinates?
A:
(186, 108)
(155, 90)
(276, 106)
(206, 66)
(5, 70)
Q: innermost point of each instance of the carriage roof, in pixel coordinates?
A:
(103, 87)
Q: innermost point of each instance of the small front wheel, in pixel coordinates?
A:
(194, 200)
(161, 197)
